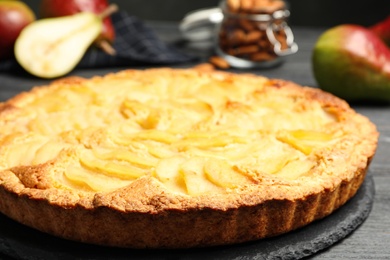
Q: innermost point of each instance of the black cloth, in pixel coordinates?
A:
(135, 44)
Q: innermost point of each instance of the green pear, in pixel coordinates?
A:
(52, 47)
(353, 63)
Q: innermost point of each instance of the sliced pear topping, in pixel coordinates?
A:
(161, 151)
(305, 140)
(48, 151)
(295, 168)
(127, 156)
(209, 142)
(195, 178)
(110, 168)
(167, 171)
(92, 181)
(155, 135)
(222, 174)
(134, 109)
(154, 120)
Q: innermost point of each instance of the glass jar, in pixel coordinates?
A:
(254, 33)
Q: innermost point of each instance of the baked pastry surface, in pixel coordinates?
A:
(169, 158)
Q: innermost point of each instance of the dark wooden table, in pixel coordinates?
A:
(372, 239)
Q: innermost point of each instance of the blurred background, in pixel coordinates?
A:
(323, 13)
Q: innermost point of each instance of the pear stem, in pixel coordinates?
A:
(106, 47)
(103, 44)
(112, 8)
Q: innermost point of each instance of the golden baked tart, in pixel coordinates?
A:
(178, 158)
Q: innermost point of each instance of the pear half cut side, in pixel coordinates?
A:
(52, 47)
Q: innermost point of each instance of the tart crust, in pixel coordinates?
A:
(147, 214)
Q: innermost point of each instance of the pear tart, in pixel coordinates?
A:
(178, 158)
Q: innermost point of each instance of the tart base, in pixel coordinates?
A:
(21, 242)
(198, 227)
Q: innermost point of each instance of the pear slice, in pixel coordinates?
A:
(52, 47)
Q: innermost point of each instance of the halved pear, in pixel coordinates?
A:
(52, 47)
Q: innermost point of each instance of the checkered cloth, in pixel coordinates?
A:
(135, 44)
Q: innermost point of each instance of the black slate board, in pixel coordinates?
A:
(23, 243)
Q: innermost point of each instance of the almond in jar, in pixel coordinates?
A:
(255, 33)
